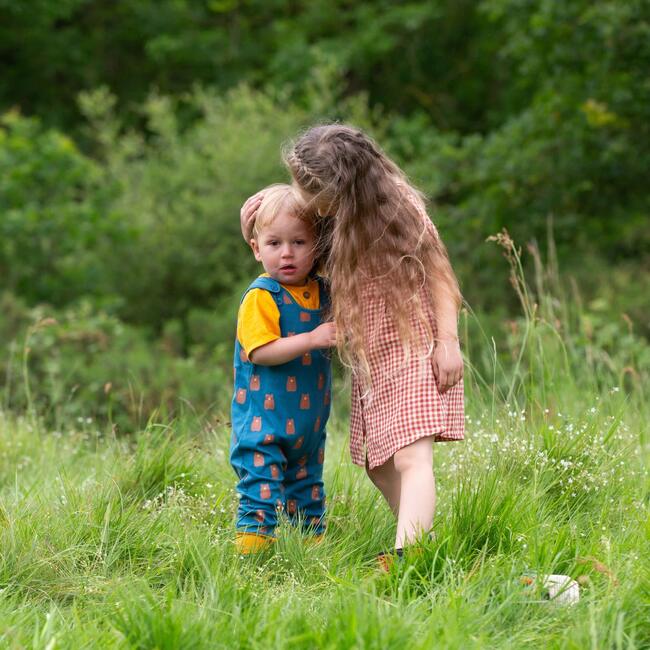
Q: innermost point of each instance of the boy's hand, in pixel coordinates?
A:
(248, 213)
(323, 336)
(447, 364)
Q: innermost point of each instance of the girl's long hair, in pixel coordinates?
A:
(378, 239)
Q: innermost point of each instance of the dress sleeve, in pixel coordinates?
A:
(418, 203)
(258, 321)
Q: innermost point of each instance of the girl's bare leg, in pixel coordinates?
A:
(417, 490)
(387, 480)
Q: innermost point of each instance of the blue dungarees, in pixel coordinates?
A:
(278, 418)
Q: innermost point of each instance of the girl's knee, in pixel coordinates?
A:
(416, 456)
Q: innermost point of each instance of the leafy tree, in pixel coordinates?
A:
(432, 56)
(51, 221)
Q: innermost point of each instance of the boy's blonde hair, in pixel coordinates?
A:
(281, 197)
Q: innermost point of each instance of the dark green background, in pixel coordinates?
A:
(131, 132)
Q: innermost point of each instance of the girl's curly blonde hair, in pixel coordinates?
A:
(377, 236)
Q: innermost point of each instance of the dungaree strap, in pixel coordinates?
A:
(268, 284)
(274, 288)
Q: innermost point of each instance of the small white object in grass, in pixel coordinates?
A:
(556, 588)
(561, 589)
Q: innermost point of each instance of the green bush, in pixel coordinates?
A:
(85, 367)
(53, 221)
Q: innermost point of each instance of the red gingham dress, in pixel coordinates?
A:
(403, 403)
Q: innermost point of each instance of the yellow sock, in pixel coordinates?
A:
(247, 543)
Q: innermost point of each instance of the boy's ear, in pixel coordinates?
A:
(256, 250)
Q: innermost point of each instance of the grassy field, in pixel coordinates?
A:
(128, 542)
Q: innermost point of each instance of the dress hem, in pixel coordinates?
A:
(438, 436)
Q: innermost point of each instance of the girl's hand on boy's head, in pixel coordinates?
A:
(248, 213)
(323, 336)
(447, 364)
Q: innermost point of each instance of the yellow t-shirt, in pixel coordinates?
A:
(258, 320)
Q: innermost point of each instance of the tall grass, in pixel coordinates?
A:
(127, 542)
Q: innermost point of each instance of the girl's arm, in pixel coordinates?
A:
(288, 348)
(446, 315)
(447, 359)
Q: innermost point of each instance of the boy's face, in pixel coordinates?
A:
(286, 249)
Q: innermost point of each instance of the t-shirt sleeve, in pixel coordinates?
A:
(258, 321)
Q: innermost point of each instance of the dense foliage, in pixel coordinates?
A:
(132, 133)
(505, 112)
(51, 51)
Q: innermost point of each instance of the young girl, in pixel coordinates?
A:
(281, 396)
(395, 302)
